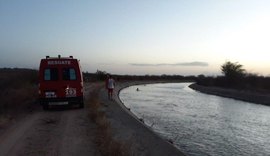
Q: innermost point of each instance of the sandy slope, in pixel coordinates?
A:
(244, 95)
(56, 132)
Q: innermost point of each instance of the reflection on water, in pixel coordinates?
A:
(201, 124)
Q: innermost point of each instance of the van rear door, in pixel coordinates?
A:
(60, 82)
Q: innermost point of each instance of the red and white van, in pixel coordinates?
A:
(60, 82)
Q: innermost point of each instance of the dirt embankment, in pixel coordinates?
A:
(130, 129)
(243, 95)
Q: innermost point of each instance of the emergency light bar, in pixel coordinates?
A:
(59, 56)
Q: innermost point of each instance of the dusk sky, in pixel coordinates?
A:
(137, 37)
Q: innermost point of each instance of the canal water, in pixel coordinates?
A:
(201, 124)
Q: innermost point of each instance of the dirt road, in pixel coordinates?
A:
(58, 132)
(68, 132)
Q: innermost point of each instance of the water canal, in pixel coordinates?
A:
(201, 124)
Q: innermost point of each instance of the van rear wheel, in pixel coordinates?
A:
(45, 107)
(81, 105)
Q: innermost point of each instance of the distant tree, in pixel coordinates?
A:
(233, 72)
(230, 69)
(101, 75)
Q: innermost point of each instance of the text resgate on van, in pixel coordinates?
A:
(59, 62)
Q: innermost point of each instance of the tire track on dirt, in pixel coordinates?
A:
(56, 132)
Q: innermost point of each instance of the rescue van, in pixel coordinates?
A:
(60, 82)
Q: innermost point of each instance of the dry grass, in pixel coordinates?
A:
(108, 146)
(18, 91)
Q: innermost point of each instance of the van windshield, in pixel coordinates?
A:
(51, 74)
(69, 74)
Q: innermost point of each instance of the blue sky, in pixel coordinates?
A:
(138, 36)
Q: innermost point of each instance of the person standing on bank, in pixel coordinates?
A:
(111, 85)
